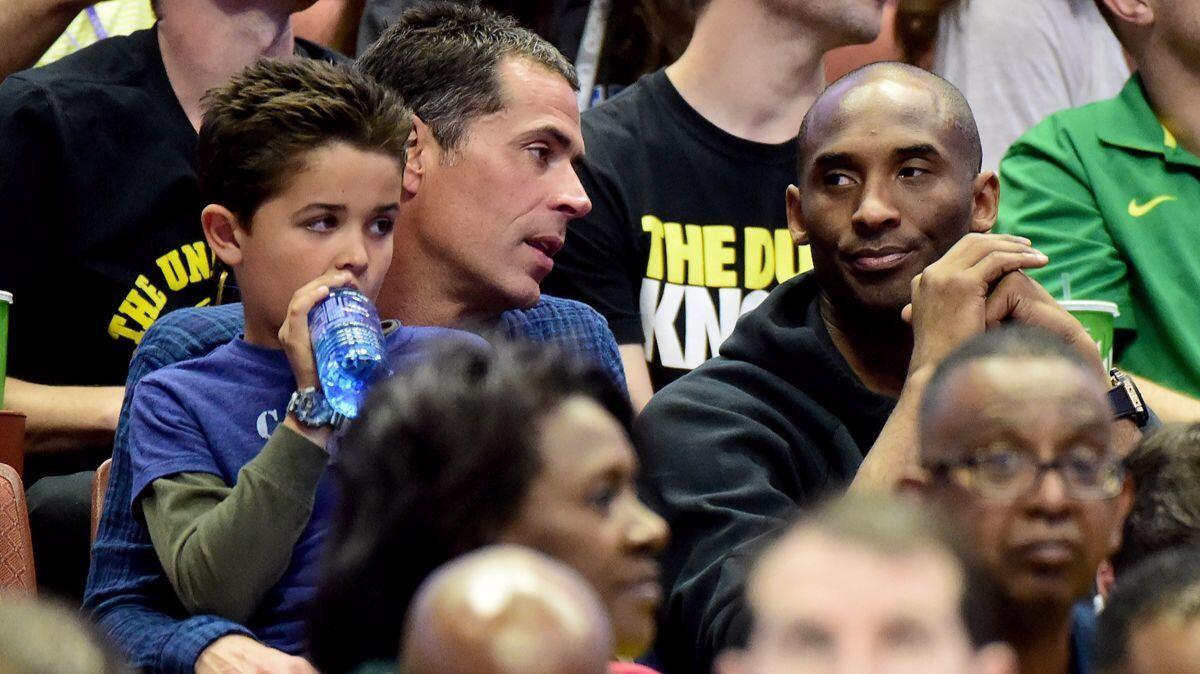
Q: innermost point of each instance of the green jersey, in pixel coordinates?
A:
(1108, 195)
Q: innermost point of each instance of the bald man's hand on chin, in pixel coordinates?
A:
(1020, 299)
(952, 300)
(978, 285)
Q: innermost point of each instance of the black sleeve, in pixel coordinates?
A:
(727, 467)
(602, 263)
(30, 169)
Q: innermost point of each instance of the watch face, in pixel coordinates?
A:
(310, 408)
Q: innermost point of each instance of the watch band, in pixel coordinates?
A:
(1125, 399)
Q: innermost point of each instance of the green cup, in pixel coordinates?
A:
(5, 300)
(1097, 317)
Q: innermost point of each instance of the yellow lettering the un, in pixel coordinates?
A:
(177, 275)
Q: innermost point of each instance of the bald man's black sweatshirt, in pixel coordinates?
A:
(733, 448)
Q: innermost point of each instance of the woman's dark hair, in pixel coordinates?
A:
(437, 465)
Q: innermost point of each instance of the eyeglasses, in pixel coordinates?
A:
(1008, 474)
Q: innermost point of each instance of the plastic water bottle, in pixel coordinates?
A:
(347, 341)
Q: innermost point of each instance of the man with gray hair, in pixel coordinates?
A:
(487, 190)
(490, 183)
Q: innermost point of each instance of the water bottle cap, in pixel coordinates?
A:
(346, 290)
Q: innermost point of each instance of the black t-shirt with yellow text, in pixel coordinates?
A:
(688, 229)
(101, 228)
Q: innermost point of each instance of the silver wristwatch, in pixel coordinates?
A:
(311, 409)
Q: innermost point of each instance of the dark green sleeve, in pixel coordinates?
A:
(224, 547)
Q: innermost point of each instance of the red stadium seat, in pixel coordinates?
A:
(16, 546)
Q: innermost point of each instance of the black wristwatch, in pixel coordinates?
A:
(311, 409)
(1126, 400)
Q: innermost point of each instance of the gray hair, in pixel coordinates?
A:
(442, 59)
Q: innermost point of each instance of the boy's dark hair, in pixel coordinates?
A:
(443, 60)
(1166, 584)
(259, 128)
(437, 465)
(1165, 468)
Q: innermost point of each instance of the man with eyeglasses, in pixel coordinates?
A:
(1017, 444)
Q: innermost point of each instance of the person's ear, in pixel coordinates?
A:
(419, 153)
(986, 201)
(996, 658)
(1106, 579)
(1136, 12)
(795, 217)
(225, 234)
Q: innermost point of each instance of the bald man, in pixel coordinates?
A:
(817, 389)
(506, 610)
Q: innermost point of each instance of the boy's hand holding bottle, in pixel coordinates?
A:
(334, 342)
(296, 341)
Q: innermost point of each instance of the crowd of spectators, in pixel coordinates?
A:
(733, 336)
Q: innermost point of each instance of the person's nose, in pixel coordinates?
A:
(647, 530)
(1051, 496)
(352, 255)
(876, 207)
(854, 656)
(570, 197)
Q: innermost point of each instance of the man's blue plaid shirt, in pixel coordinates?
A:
(128, 593)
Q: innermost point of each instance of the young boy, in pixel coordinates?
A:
(301, 163)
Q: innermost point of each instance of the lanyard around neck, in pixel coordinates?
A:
(590, 47)
(97, 25)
